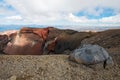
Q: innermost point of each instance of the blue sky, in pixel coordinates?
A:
(106, 12)
(60, 12)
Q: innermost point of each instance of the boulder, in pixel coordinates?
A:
(91, 54)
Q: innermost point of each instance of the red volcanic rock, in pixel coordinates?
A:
(3, 41)
(41, 32)
(29, 41)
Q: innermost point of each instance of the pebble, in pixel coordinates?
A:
(13, 77)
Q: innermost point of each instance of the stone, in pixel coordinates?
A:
(91, 54)
(13, 77)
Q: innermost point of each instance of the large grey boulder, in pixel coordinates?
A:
(91, 54)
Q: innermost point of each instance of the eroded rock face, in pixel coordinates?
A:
(3, 41)
(91, 54)
(52, 39)
(28, 41)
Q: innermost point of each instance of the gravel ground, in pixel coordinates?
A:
(56, 67)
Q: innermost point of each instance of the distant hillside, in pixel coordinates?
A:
(74, 27)
(107, 39)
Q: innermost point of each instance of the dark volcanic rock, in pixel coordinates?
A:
(3, 41)
(66, 39)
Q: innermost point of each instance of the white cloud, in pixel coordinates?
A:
(17, 17)
(83, 19)
(46, 11)
(112, 19)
